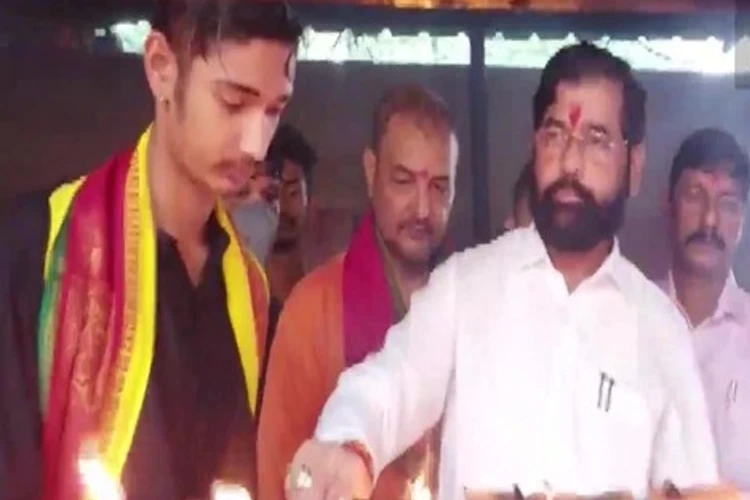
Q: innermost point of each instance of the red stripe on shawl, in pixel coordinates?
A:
(368, 310)
(89, 332)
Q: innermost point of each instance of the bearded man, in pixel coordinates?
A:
(558, 366)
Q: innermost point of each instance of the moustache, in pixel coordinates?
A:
(417, 225)
(568, 183)
(709, 236)
(239, 163)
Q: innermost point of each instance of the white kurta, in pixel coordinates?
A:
(588, 392)
(722, 346)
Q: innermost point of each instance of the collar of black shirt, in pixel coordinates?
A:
(213, 234)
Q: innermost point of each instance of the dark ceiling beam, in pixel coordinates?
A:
(81, 12)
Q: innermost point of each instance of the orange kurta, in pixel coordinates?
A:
(306, 360)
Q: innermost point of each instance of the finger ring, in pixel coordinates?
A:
(302, 480)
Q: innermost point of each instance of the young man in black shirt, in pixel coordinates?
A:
(132, 320)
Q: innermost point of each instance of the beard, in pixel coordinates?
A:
(411, 257)
(576, 227)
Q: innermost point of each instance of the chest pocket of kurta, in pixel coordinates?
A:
(613, 432)
(734, 439)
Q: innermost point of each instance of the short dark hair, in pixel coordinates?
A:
(416, 101)
(706, 149)
(192, 27)
(585, 60)
(289, 144)
(524, 184)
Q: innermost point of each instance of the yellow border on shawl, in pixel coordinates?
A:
(240, 306)
(139, 312)
(59, 203)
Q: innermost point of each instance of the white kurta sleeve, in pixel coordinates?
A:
(391, 399)
(684, 451)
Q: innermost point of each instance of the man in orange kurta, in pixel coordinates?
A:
(341, 311)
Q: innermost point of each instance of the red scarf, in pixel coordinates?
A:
(368, 305)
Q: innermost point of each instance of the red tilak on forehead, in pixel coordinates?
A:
(574, 115)
(422, 174)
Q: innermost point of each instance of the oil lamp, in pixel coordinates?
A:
(98, 483)
(221, 490)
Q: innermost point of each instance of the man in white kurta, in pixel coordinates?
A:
(590, 392)
(708, 190)
(554, 362)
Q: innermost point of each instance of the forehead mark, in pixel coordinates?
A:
(422, 174)
(574, 115)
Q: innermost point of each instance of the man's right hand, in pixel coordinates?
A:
(325, 471)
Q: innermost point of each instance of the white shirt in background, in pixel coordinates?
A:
(588, 392)
(722, 346)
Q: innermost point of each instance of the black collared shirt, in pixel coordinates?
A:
(195, 426)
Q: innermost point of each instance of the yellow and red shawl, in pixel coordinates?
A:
(97, 320)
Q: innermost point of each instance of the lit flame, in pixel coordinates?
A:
(228, 491)
(97, 481)
(419, 490)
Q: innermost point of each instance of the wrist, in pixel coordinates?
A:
(361, 451)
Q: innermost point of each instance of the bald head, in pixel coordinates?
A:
(425, 109)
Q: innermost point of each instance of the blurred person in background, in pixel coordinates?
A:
(271, 214)
(708, 189)
(295, 160)
(255, 210)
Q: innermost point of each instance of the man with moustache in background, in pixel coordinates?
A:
(340, 312)
(557, 365)
(708, 189)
